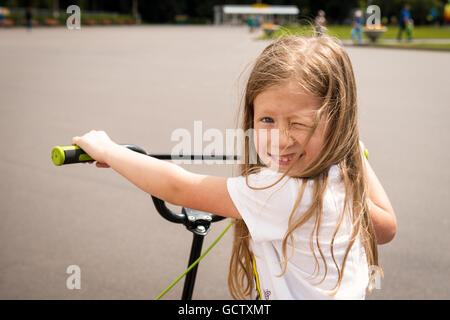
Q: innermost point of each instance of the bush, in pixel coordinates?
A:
(18, 19)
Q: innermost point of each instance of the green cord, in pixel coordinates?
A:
(195, 262)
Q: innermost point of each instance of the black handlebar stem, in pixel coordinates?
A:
(168, 214)
(195, 221)
(134, 148)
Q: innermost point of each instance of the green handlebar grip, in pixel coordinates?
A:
(69, 154)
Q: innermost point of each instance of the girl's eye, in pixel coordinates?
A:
(297, 124)
(267, 120)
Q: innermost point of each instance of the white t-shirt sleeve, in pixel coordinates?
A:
(265, 212)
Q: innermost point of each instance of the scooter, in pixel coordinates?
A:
(197, 222)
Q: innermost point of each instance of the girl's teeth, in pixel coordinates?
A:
(283, 158)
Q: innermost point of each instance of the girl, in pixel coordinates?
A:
(310, 211)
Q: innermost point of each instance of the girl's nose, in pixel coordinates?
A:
(285, 139)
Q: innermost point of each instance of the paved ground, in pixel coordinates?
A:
(141, 83)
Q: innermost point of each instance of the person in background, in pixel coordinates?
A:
(29, 18)
(1, 17)
(357, 26)
(276, 20)
(258, 21)
(432, 17)
(405, 23)
(251, 23)
(320, 23)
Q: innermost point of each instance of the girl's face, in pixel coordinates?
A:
(283, 118)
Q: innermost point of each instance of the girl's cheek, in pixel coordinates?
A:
(260, 140)
(262, 145)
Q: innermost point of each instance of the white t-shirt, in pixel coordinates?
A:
(266, 214)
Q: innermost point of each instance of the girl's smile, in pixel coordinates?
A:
(285, 159)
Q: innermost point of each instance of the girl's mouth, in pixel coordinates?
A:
(284, 160)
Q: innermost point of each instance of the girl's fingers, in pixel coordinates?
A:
(74, 140)
(101, 165)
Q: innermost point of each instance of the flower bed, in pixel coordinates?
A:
(269, 28)
(374, 32)
(51, 22)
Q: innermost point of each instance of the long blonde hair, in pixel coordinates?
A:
(322, 68)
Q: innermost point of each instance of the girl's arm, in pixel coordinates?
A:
(380, 208)
(164, 180)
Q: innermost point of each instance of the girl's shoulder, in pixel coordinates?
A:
(267, 175)
(266, 202)
(269, 184)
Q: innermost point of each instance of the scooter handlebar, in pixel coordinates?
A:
(74, 154)
(62, 155)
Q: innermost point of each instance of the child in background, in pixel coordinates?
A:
(406, 23)
(357, 27)
(310, 211)
(320, 23)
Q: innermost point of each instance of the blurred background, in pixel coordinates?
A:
(140, 70)
(202, 11)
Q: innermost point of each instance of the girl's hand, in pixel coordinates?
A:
(96, 144)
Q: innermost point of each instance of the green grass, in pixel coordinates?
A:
(343, 32)
(427, 32)
(431, 46)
